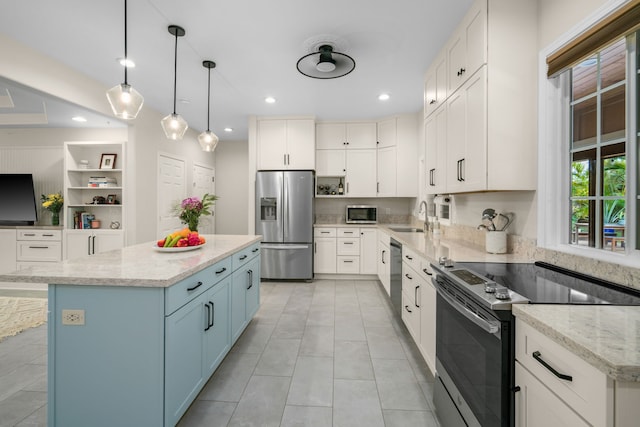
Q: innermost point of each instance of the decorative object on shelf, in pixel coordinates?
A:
(98, 200)
(174, 125)
(95, 223)
(325, 63)
(83, 164)
(114, 225)
(207, 139)
(125, 101)
(111, 199)
(191, 208)
(53, 203)
(108, 161)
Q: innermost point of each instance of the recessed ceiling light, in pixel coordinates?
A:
(270, 100)
(79, 119)
(383, 96)
(126, 62)
(228, 129)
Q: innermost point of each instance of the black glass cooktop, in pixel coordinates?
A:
(547, 284)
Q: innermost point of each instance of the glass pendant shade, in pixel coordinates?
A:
(125, 101)
(174, 126)
(208, 141)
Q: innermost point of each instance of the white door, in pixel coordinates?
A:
(204, 183)
(172, 188)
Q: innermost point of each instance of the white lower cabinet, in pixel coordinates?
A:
(79, 243)
(412, 285)
(559, 388)
(384, 261)
(345, 250)
(8, 251)
(36, 246)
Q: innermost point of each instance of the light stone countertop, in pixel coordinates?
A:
(607, 337)
(138, 265)
(434, 248)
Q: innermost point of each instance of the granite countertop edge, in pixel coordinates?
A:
(95, 270)
(593, 352)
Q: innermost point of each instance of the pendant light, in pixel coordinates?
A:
(125, 101)
(174, 125)
(208, 140)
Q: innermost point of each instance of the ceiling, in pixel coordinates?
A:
(255, 44)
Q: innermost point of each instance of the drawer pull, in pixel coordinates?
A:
(406, 307)
(536, 355)
(38, 247)
(325, 232)
(408, 257)
(47, 235)
(243, 257)
(347, 232)
(221, 270)
(426, 272)
(347, 243)
(29, 234)
(347, 261)
(195, 287)
(255, 250)
(408, 276)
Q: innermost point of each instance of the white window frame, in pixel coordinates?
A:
(553, 155)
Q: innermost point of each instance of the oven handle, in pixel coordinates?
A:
(488, 326)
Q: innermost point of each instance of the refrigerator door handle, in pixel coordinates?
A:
(285, 207)
(282, 247)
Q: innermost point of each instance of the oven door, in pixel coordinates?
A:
(473, 354)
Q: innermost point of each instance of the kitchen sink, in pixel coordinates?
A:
(406, 229)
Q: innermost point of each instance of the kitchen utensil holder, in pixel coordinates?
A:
(496, 242)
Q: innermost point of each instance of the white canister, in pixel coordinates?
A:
(496, 242)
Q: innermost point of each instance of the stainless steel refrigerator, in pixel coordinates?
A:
(284, 218)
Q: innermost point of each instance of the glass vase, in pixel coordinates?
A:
(55, 218)
(193, 224)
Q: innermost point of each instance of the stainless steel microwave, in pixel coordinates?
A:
(361, 214)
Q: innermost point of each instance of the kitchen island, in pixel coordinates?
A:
(134, 334)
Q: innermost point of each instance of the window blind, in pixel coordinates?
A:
(620, 23)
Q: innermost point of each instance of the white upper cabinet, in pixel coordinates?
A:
(286, 144)
(435, 84)
(467, 49)
(387, 133)
(361, 173)
(331, 162)
(490, 139)
(345, 135)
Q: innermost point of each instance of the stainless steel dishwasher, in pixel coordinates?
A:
(396, 275)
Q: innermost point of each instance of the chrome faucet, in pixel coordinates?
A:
(425, 226)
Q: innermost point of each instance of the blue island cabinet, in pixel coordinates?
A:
(143, 353)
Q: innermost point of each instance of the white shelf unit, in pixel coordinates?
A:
(79, 196)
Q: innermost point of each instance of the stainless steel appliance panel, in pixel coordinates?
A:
(269, 206)
(286, 261)
(298, 206)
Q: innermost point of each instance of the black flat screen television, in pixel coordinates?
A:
(17, 200)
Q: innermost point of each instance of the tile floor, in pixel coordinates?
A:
(328, 353)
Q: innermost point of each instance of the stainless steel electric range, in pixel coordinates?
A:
(475, 331)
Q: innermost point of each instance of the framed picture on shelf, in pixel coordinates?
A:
(111, 199)
(108, 161)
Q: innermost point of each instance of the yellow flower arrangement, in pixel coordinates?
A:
(52, 202)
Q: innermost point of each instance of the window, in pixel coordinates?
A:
(598, 147)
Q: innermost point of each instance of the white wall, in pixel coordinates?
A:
(232, 187)
(556, 17)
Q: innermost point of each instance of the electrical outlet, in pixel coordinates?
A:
(73, 317)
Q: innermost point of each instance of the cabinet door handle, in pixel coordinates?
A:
(315, 247)
(347, 187)
(207, 320)
(408, 276)
(538, 356)
(377, 187)
(284, 159)
(433, 101)
(461, 71)
(382, 257)
(222, 270)
(89, 245)
(243, 257)
(213, 313)
(93, 245)
(250, 273)
(415, 296)
(431, 176)
(406, 307)
(462, 161)
(195, 287)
